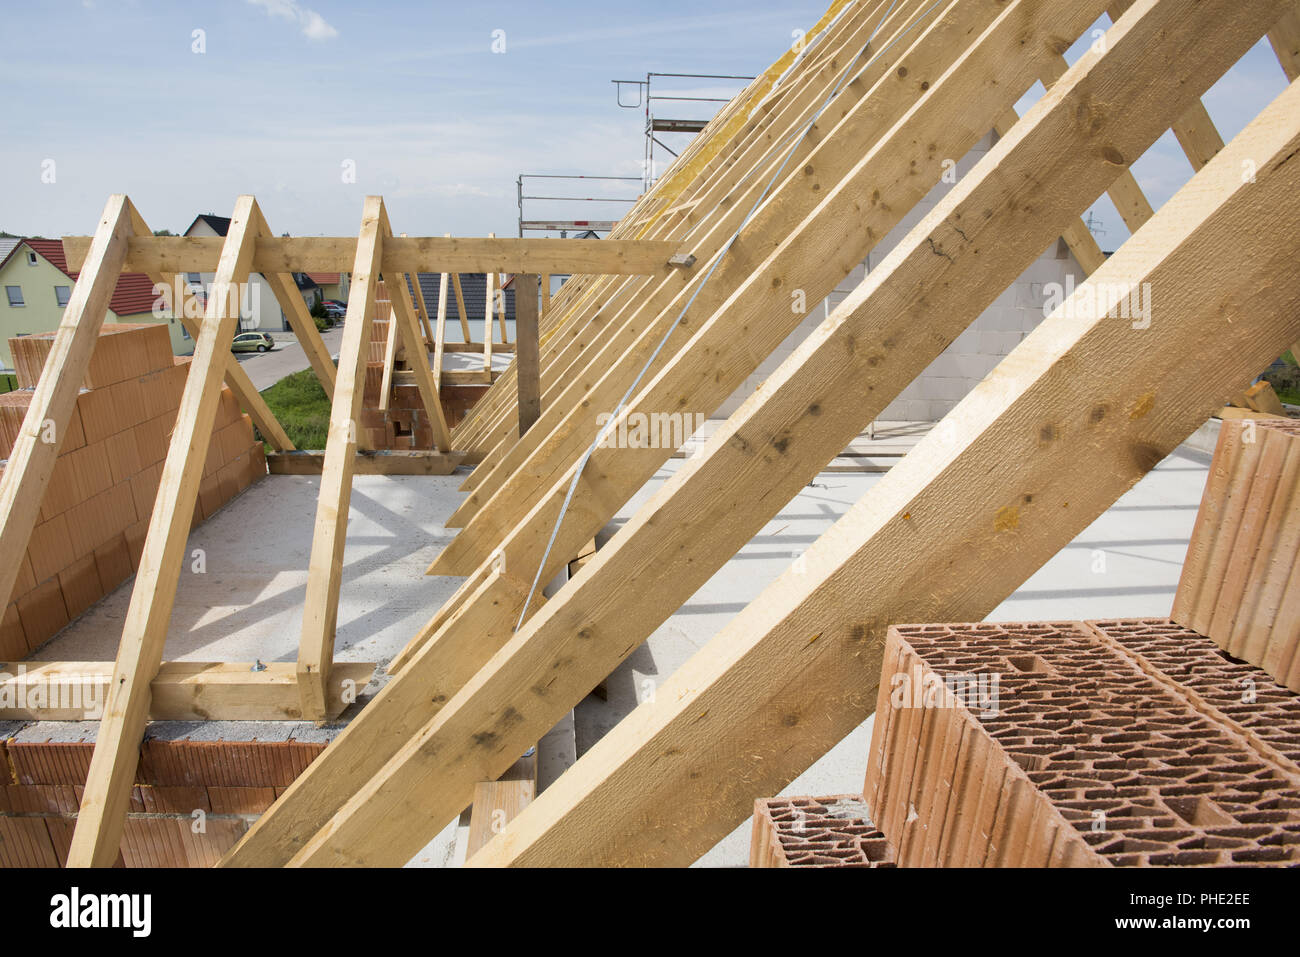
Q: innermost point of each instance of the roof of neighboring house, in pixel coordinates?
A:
(134, 292)
(220, 224)
(473, 285)
(304, 280)
(6, 247)
(324, 278)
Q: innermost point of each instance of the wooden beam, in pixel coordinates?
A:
(440, 329)
(849, 202)
(1050, 140)
(325, 573)
(460, 307)
(476, 348)
(34, 453)
(390, 351)
(181, 690)
(501, 309)
(497, 803)
(546, 295)
(417, 357)
(871, 107)
(381, 462)
(112, 767)
(286, 254)
(480, 618)
(528, 370)
(978, 508)
(421, 307)
(950, 506)
(1285, 40)
(489, 293)
(587, 305)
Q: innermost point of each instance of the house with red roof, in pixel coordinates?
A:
(35, 285)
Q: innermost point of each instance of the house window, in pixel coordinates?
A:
(15, 294)
(62, 294)
(31, 258)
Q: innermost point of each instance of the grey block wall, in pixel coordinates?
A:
(974, 353)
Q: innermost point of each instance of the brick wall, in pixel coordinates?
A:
(93, 520)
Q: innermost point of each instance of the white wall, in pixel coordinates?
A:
(974, 353)
(264, 310)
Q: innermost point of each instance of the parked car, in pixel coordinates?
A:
(253, 342)
(335, 311)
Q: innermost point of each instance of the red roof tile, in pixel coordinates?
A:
(324, 278)
(134, 292)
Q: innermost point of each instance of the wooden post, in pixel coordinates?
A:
(527, 368)
(440, 330)
(489, 293)
(325, 573)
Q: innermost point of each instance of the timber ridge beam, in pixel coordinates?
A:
(409, 254)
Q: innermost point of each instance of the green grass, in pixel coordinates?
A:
(302, 407)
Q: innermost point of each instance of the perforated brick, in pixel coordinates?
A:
(817, 832)
(1079, 756)
(1240, 583)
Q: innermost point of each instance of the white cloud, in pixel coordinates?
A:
(314, 26)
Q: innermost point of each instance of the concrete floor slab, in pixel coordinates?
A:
(246, 601)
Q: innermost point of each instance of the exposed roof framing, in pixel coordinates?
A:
(778, 199)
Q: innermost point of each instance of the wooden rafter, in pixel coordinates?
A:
(112, 768)
(750, 291)
(482, 619)
(526, 358)
(866, 111)
(31, 462)
(817, 628)
(946, 514)
(378, 810)
(594, 314)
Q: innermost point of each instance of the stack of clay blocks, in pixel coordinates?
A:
(406, 424)
(93, 519)
(224, 785)
(817, 832)
(1135, 744)
(1241, 579)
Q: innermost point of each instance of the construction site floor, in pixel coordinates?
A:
(246, 602)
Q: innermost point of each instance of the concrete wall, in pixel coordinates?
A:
(974, 353)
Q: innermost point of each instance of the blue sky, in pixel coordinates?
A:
(286, 92)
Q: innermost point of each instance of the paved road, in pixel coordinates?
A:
(268, 368)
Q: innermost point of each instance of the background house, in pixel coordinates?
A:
(259, 308)
(35, 285)
(333, 285)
